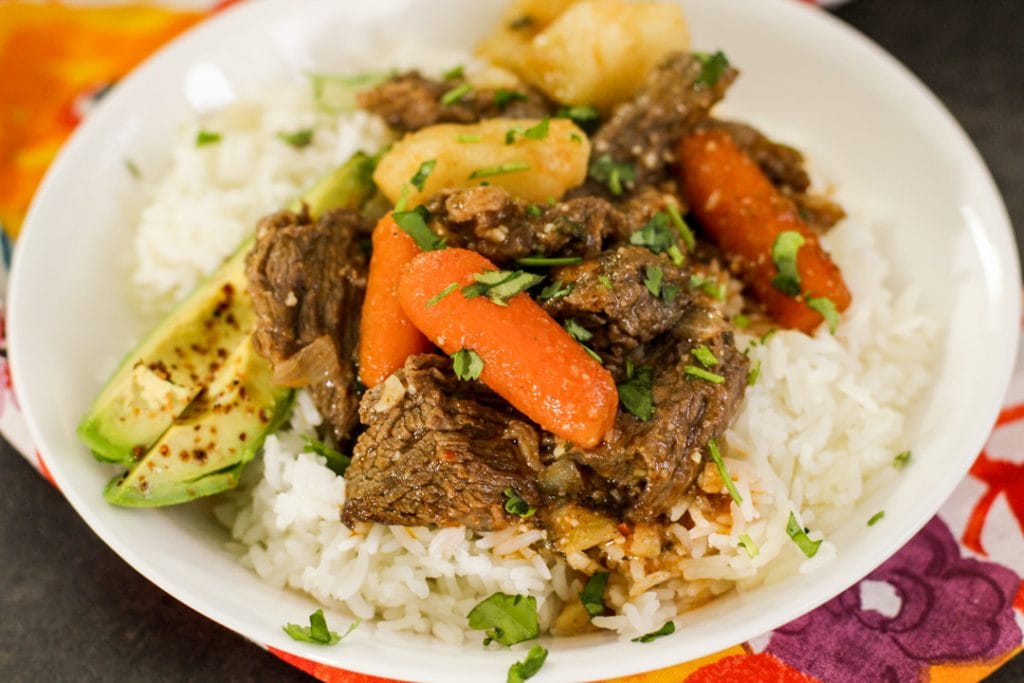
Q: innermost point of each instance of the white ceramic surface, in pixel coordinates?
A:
(892, 150)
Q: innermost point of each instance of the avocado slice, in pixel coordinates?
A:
(189, 407)
(205, 449)
(165, 373)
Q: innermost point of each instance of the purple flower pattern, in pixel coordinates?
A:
(952, 609)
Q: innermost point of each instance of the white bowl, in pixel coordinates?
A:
(893, 151)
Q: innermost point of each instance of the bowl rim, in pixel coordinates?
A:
(652, 658)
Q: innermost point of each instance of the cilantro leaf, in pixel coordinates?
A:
(754, 373)
(875, 518)
(684, 230)
(577, 331)
(520, 671)
(414, 224)
(456, 94)
(500, 285)
(549, 260)
(653, 276)
(800, 537)
(504, 97)
(723, 472)
(500, 169)
(657, 235)
(701, 373)
(337, 461)
(710, 287)
(827, 308)
(515, 505)
(747, 543)
(508, 619)
(453, 73)
(901, 460)
(612, 173)
(592, 595)
(712, 67)
(636, 393)
(605, 281)
(297, 139)
(784, 250)
(434, 300)
(585, 117)
(317, 631)
(704, 355)
(207, 137)
(538, 132)
(668, 629)
(555, 290)
(467, 364)
(422, 173)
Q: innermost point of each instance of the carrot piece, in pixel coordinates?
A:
(386, 335)
(528, 358)
(744, 213)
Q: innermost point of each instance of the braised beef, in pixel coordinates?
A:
(609, 298)
(411, 101)
(307, 281)
(438, 450)
(644, 131)
(489, 220)
(648, 466)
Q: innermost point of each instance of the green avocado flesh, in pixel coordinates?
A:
(160, 378)
(189, 407)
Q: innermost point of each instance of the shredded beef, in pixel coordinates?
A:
(437, 450)
(307, 281)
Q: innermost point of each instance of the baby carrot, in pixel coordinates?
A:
(744, 214)
(527, 357)
(386, 335)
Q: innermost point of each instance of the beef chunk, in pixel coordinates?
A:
(410, 101)
(645, 130)
(648, 466)
(492, 222)
(439, 451)
(307, 281)
(608, 297)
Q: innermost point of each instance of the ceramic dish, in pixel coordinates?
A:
(870, 127)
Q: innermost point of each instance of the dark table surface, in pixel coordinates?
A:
(70, 609)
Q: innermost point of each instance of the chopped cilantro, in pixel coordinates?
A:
(534, 210)
(605, 281)
(297, 139)
(754, 373)
(207, 137)
(800, 537)
(508, 619)
(132, 168)
(467, 365)
(453, 73)
(827, 308)
(706, 357)
(538, 132)
(712, 67)
(747, 543)
(500, 169)
(504, 97)
(433, 301)
(575, 137)
(716, 455)
(784, 250)
(612, 173)
(455, 94)
(403, 199)
(422, 173)
(500, 285)
(701, 373)
(592, 595)
(515, 505)
(520, 671)
(337, 462)
(592, 353)
(414, 224)
(577, 331)
(555, 290)
(585, 117)
(684, 230)
(768, 335)
(657, 235)
(712, 288)
(636, 393)
(901, 460)
(653, 276)
(875, 518)
(668, 629)
(469, 137)
(317, 631)
(549, 260)
(740, 321)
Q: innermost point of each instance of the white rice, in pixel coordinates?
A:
(825, 417)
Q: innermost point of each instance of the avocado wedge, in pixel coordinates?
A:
(191, 405)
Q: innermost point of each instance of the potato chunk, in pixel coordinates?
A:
(508, 45)
(595, 52)
(470, 155)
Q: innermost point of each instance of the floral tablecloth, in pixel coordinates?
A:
(949, 606)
